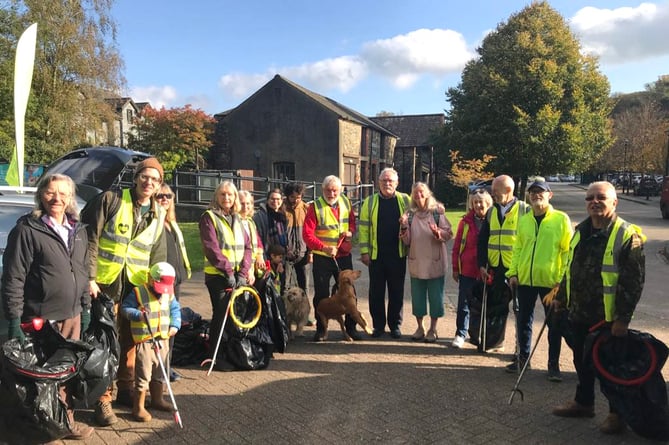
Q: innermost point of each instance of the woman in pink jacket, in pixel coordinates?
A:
(465, 267)
(425, 229)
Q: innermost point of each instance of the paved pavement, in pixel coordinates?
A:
(373, 391)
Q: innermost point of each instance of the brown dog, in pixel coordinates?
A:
(343, 302)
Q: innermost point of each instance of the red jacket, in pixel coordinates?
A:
(464, 263)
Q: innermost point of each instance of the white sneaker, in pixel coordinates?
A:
(458, 342)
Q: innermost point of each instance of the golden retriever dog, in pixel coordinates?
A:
(343, 302)
(297, 310)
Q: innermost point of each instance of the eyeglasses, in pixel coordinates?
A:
(51, 195)
(597, 197)
(147, 178)
(164, 196)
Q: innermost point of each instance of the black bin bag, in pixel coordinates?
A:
(629, 372)
(31, 372)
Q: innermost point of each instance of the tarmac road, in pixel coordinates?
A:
(393, 391)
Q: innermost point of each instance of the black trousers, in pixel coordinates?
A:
(324, 269)
(390, 272)
(585, 390)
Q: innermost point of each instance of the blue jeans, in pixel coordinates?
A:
(527, 298)
(427, 289)
(465, 287)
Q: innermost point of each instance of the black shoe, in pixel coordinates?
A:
(554, 374)
(516, 366)
(318, 336)
(376, 333)
(396, 333)
(355, 335)
(174, 376)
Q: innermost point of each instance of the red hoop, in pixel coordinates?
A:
(615, 379)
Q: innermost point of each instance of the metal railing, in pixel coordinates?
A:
(195, 189)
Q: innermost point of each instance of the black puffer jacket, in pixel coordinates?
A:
(41, 276)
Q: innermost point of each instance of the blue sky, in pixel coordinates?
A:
(396, 56)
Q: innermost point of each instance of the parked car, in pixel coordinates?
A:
(647, 186)
(664, 198)
(97, 169)
(14, 203)
(552, 178)
(567, 178)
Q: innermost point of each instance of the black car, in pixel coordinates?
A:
(97, 169)
(647, 187)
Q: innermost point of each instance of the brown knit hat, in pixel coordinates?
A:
(149, 163)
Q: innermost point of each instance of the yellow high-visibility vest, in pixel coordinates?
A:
(230, 240)
(328, 228)
(117, 248)
(502, 237)
(621, 232)
(158, 313)
(368, 223)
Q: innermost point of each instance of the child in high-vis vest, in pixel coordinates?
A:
(156, 300)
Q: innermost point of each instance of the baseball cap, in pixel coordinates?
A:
(543, 185)
(163, 275)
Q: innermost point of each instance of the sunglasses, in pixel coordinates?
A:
(597, 197)
(164, 196)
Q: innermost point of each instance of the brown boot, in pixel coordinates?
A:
(574, 409)
(157, 401)
(139, 413)
(104, 414)
(612, 425)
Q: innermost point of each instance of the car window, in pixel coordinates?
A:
(9, 214)
(100, 170)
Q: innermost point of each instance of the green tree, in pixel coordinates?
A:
(530, 99)
(77, 66)
(177, 136)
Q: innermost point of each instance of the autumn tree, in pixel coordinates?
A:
(530, 98)
(464, 171)
(77, 66)
(176, 135)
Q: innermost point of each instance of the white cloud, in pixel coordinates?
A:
(157, 96)
(624, 34)
(402, 60)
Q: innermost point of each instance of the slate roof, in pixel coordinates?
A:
(413, 130)
(342, 111)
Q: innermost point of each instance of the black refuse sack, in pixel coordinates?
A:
(498, 298)
(191, 344)
(629, 373)
(100, 369)
(30, 375)
(278, 328)
(245, 349)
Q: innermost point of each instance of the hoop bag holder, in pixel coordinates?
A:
(629, 372)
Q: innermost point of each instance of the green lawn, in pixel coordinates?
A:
(194, 247)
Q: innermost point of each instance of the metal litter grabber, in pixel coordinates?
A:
(516, 388)
(483, 319)
(212, 360)
(156, 349)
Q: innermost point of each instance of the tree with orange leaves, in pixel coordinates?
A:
(176, 135)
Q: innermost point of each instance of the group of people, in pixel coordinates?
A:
(127, 244)
(124, 243)
(583, 276)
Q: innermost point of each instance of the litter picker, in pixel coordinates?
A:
(212, 360)
(482, 321)
(516, 388)
(156, 349)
